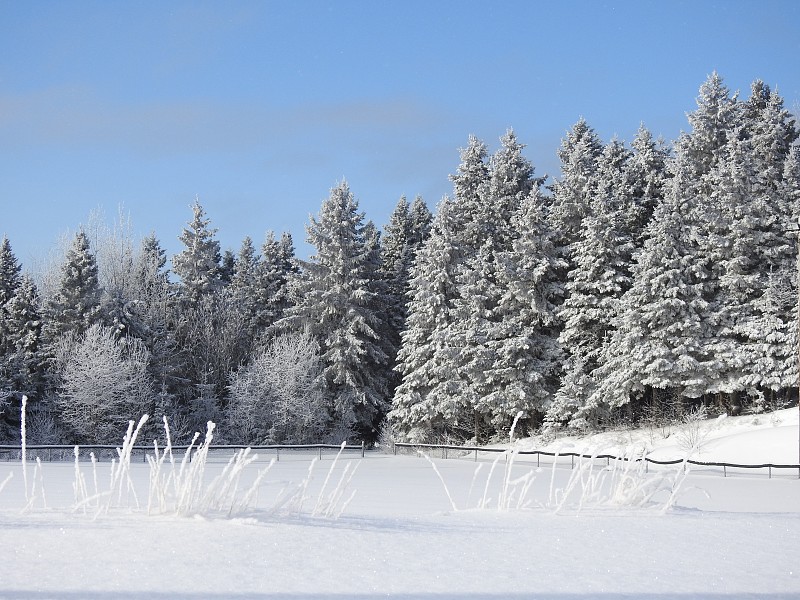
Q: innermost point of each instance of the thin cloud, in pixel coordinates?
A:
(76, 117)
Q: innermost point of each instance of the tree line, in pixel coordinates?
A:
(644, 280)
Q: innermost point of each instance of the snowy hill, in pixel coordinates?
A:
(749, 439)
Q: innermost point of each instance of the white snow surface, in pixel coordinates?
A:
(400, 537)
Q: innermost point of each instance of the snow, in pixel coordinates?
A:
(400, 537)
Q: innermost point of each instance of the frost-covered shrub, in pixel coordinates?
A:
(278, 398)
(104, 382)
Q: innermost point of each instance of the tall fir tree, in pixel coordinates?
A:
(198, 264)
(76, 304)
(647, 174)
(336, 305)
(407, 228)
(600, 276)
(243, 283)
(427, 401)
(10, 277)
(659, 341)
(421, 218)
(524, 336)
(23, 362)
(272, 296)
(580, 150)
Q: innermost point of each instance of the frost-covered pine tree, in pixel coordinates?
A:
(272, 296)
(524, 336)
(10, 276)
(428, 399)
(477, 330)
(421, 218)
(752, 246)
(75, 306)
(10, 271)
(154, 315)
(243, 282)
(600, 276)
(717, 115)
(198, 264)
(579, 153)
(396, 259)
(335, 304)
(23, 363)
(441, 404)
(647, 174)
(659, 339)
(408, 226)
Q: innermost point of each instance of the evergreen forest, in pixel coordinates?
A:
(647, 280)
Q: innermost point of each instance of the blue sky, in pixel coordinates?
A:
(259, 108)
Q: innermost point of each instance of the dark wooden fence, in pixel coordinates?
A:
(475, 450)
(107, 452)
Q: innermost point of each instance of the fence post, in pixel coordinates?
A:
(362, 448)
(724, 470)
(573, 461)
(320, 452)
(278, 454)
(476, 455)
(770, 471)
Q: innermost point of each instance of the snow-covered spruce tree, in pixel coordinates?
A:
(10, 271)
(672, 333)
(579, 153)
(421, 218)
(659, 338)
(773, 344)
(717, 116)
(647, 174)
(10, 276)
(478, 330)
(335, 305)
(277, 398)
(447, 356)
(271, 294)
(198, 264)
(152, 316)
(750, 244)
(243, 285)
(595, 284)
(75, 306)
(396, 260)
(523, 338)
(428, 400)
(104, 384)
(402, 237)
(23, 363)
(475, 229)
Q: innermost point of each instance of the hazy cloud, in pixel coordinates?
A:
(75, 117)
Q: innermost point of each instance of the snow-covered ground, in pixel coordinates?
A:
(400, 536)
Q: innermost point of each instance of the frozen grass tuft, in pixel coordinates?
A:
(624, 483)
(182, 489)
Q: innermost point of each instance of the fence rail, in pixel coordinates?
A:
(607, 457)
(61, 451)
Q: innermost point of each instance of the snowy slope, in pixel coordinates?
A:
(749, 439)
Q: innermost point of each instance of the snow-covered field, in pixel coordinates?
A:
(561, 533)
